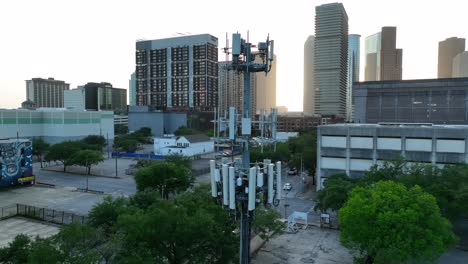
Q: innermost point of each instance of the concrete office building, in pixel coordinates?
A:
(231, 89)
(46, 92)
(438, 101)
(383, 59)
(354, 148)
(55, 125)
(309, 91)
(96, 97)
(160, 122)
(179, 73)
(460, 65)
(330, 59)
(353, 72)
(75, 99)
(448, 49)
(132, 89)
(390, 57)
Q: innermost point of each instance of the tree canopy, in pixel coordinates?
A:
(167, 178)
(95, 140)
(388, 222)
(336, 192)
(448, 185)
(129, 143)
(39, 148)
(63, 152)
(87, 158)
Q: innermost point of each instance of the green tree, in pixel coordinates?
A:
(179, 160)
(95, 140)
(120, 129)
(389, 223)
(79, 243)
(63, 152)
(189, 229)
(125, 143)
(183, 131)
(165, 177)
(335, 193)
(450, 187)
(267, 223)
(389, 170)
(304, 146)
(87, 158)
(17, 251)
(44, 251)
(40, 147)
(105, 214)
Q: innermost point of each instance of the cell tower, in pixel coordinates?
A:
(240, 185)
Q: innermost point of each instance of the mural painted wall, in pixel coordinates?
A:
(15, 162)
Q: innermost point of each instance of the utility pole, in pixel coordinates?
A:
(115, 166)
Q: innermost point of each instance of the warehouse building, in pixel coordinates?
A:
(354, 148)
(55, 125)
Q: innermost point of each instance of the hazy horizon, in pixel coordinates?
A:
(94, 41)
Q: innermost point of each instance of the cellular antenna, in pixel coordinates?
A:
(244, 184)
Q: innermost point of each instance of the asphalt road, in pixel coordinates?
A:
(122, 186)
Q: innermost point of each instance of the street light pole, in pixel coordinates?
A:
(115, 166)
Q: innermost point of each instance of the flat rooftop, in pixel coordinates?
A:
(383, 125)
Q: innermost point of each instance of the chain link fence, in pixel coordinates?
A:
(43, 214)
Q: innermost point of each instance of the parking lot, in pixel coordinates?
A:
(11, 227)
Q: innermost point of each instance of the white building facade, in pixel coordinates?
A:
(189, 146)
(74, 99)
(353, 149)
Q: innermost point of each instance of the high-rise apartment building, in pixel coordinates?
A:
(330, 59)
(179, 73)
(353, 72)
(46, 92)
(132, 89)
(231, 89)
(448, 49)
(383, 59)
(309, 91)
(460, 65)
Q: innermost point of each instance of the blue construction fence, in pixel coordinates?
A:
(137, 155)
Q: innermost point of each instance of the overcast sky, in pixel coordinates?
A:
(94, 40)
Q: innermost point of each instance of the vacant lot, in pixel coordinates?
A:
(313, 245)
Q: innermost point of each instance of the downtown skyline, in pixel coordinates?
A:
(84, 41)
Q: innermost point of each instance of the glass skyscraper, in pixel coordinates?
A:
(372, 70)
(353, 71)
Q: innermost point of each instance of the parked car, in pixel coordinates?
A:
(287, 186)
(292, 171)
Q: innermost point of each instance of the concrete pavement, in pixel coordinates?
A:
(11, 227)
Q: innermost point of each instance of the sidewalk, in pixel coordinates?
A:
(103, 169)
